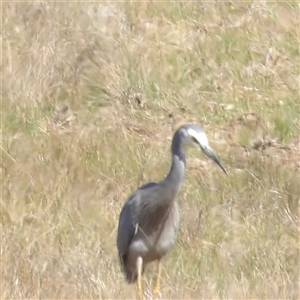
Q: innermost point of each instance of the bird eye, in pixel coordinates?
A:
(195, 140)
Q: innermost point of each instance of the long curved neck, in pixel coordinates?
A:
(175, 177)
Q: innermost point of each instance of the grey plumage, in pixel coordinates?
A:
(149, 219)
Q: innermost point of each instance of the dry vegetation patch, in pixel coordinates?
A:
(91, 94)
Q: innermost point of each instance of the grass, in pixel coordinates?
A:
(91, 95)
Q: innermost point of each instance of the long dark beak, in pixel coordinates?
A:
(211, 154)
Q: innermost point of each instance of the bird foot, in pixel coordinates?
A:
(141, 296)
(155, 291)
(140, 291)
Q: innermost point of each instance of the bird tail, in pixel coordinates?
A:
(131, 277)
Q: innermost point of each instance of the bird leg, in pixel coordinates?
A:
(139, 267)
(158, 278)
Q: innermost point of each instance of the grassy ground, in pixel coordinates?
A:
(91, 94)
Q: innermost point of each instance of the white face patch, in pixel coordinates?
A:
(199, 136)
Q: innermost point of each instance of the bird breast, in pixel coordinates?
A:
(156, 233)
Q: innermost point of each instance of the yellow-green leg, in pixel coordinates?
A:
(139, 268)
(158, 278)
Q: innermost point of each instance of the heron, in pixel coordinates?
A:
(149, 219)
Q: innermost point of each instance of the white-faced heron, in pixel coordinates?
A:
(150, 218)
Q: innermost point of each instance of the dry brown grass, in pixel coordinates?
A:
(91, 94)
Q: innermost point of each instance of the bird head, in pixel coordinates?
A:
(196, 137)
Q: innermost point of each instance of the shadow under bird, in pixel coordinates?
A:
(149, 219)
